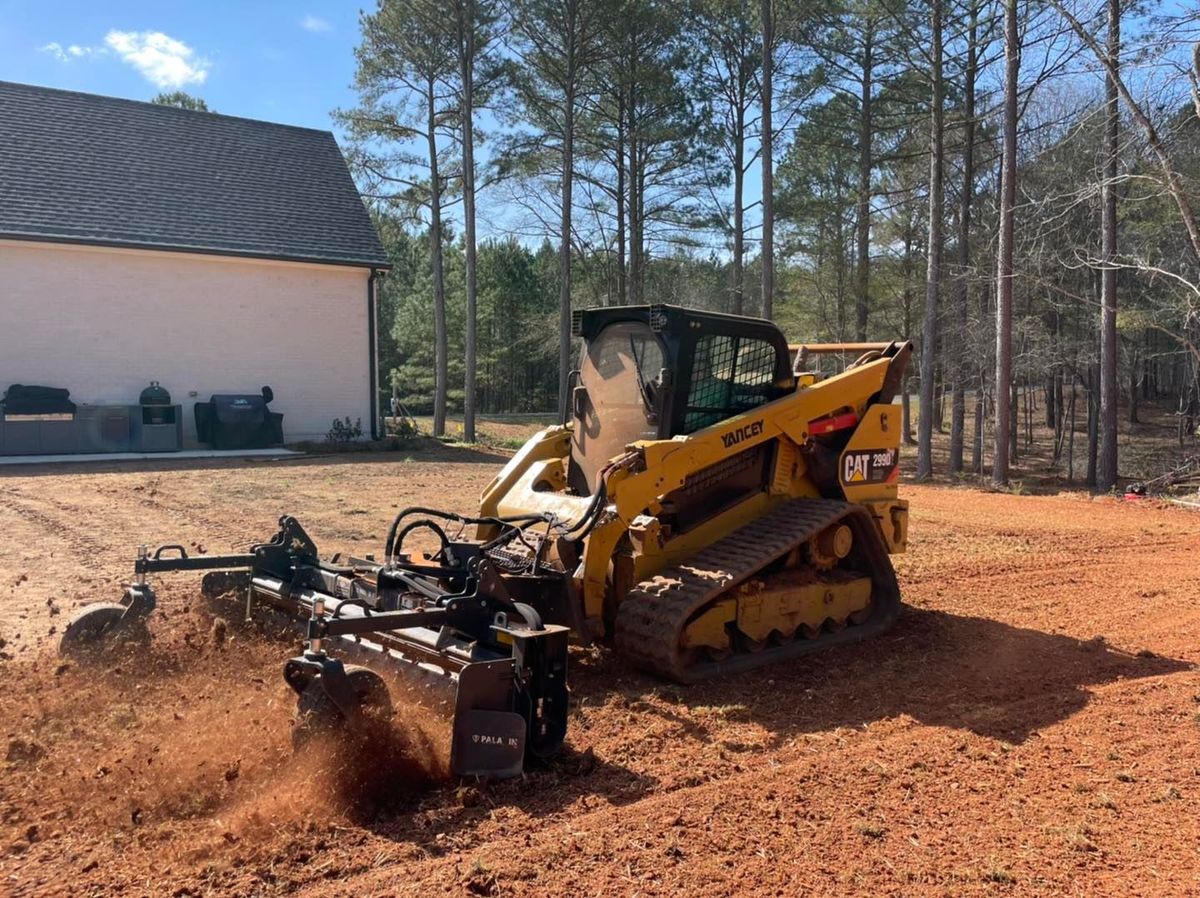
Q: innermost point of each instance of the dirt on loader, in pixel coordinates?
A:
(1031, 726)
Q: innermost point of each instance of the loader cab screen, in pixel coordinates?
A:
(619, 374)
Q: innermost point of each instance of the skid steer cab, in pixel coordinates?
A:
(710, 505)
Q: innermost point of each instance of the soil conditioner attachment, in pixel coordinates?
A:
(709, 506)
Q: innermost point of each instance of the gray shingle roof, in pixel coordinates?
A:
(83, 168)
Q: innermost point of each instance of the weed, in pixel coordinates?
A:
(1104, 801)
(998, 874)
(506, 442)
(1125, 777)
(1172, 794)
(726, 712)
(1078, 838)
(343, 431)
(871, 830)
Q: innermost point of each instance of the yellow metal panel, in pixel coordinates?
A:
(788, 468)
(551, 443)
(785, 606)
(709, 629)
(869, 466)
(892, 519)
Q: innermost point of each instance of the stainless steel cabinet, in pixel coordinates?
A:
(103, 428)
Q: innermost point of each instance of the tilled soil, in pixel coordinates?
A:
(1030, 726)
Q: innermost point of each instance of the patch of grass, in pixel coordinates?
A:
(1171, 794)
(871, 830)
(725, 712)
(998, 874)
(506, 442)
(1103, 800)
(670, 694)
(1112, 756)
(1081, 788)
(1125, 777)
(1078, 838)
(481, 880)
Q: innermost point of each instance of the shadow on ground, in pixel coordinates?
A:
(941, 669)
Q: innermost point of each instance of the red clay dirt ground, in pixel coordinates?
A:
(1031, 726)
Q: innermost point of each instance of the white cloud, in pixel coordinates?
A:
(162, 60)
(314, 24)
(74, 51)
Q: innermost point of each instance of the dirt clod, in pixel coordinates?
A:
(218, 632)
(24, 751)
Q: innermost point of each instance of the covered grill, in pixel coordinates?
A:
(37, 420)
(239, 421)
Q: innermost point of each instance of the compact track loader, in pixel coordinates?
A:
(709, 506)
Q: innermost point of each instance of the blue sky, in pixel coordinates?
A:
(264, 59)
(283, 62)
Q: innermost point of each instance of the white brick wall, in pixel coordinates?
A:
(105, 322)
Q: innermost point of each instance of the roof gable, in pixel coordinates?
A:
(84, 168)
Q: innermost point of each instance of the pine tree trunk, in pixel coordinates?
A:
(977, 437)
(1004, 268)
(441, 349)
(739, 212)
(634, 282)
(906, 433)
(467, 75)
(1133, 392)
(768, 162)
(1093, 423)
(1106, 472)
(1071, 436)
(564, 252)
(959, 353)
(862, 279)
(933, 277)
(622, 286)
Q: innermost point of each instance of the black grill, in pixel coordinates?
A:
(238, 421)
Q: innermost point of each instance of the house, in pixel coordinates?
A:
(210, 253)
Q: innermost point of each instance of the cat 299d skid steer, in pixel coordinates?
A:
(708, 507)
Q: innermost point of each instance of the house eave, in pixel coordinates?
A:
(374, 264)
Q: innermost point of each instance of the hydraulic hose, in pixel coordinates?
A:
(422, 524)
(390, 547)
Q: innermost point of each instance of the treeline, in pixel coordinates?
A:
(1009, 184)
